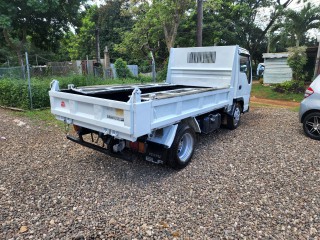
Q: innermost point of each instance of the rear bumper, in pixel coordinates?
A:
(100, 149)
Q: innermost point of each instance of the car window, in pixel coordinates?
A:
(245, 66)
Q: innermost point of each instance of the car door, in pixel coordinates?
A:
(245, 80)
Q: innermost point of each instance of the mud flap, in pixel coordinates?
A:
(156, 153)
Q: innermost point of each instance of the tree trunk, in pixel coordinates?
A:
(199, 22)
(170, 33)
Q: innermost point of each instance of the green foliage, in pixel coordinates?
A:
(15, 93)
(40, 23)
(297, 59)
(228, 22)
(144, 79)
(146, 35)
(155, 28)
(290, 87)
(291, 30)
(122, 69)
(82, 43)
(162, 74)
(114, 20)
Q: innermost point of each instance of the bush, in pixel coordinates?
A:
(144, 79)
(290, 87)
(297, 59)
(122, 69)
(15, 93)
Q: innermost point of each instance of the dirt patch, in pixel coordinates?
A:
(282, 103)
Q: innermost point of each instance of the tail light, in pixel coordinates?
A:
(137, 147)
(308, 92)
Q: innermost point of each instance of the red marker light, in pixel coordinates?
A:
(63, 104)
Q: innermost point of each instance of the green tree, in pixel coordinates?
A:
(114, 20)
(146, 35)
(299, 22)
(236, 22)
(43, 21)
(155, 28)
(169, 14)
(82, 42)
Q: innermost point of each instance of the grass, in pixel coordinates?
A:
(43, 116)
(260, 91)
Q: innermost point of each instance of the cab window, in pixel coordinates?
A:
(245, 66)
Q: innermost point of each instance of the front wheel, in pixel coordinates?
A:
(182, 148)
(311, 125)
(233, 120)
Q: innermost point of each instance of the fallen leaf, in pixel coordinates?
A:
(176, 234)
(23, 229)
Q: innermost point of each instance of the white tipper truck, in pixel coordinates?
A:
(206, 87)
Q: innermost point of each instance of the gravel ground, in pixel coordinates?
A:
(259, 181)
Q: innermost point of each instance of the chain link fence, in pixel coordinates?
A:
(27, 86)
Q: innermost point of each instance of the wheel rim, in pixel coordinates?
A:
(236, 116)
(313, 126)
(185, 147)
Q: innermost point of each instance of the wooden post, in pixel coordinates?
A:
(97, 45)
(317, 66)
(199, 22)
(29, 81)
(107, 68)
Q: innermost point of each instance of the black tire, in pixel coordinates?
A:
(311, 125)
(233, 120)
(182, 148)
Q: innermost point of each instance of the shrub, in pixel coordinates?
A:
(290, 87)
(297, 59)
(15, 93)
(144, 79)
(122, 69)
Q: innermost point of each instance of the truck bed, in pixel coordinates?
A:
(148, 91)
(132, 111)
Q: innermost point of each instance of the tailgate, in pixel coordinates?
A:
(102, 115)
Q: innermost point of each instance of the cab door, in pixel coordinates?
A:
(245, 80)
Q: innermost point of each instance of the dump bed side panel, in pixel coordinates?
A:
(171, 110)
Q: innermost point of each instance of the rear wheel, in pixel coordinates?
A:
(311, 125)
(233, 120)
(182, 148)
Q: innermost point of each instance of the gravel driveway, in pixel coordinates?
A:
(261, 180)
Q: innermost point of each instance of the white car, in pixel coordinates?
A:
(309, 113)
